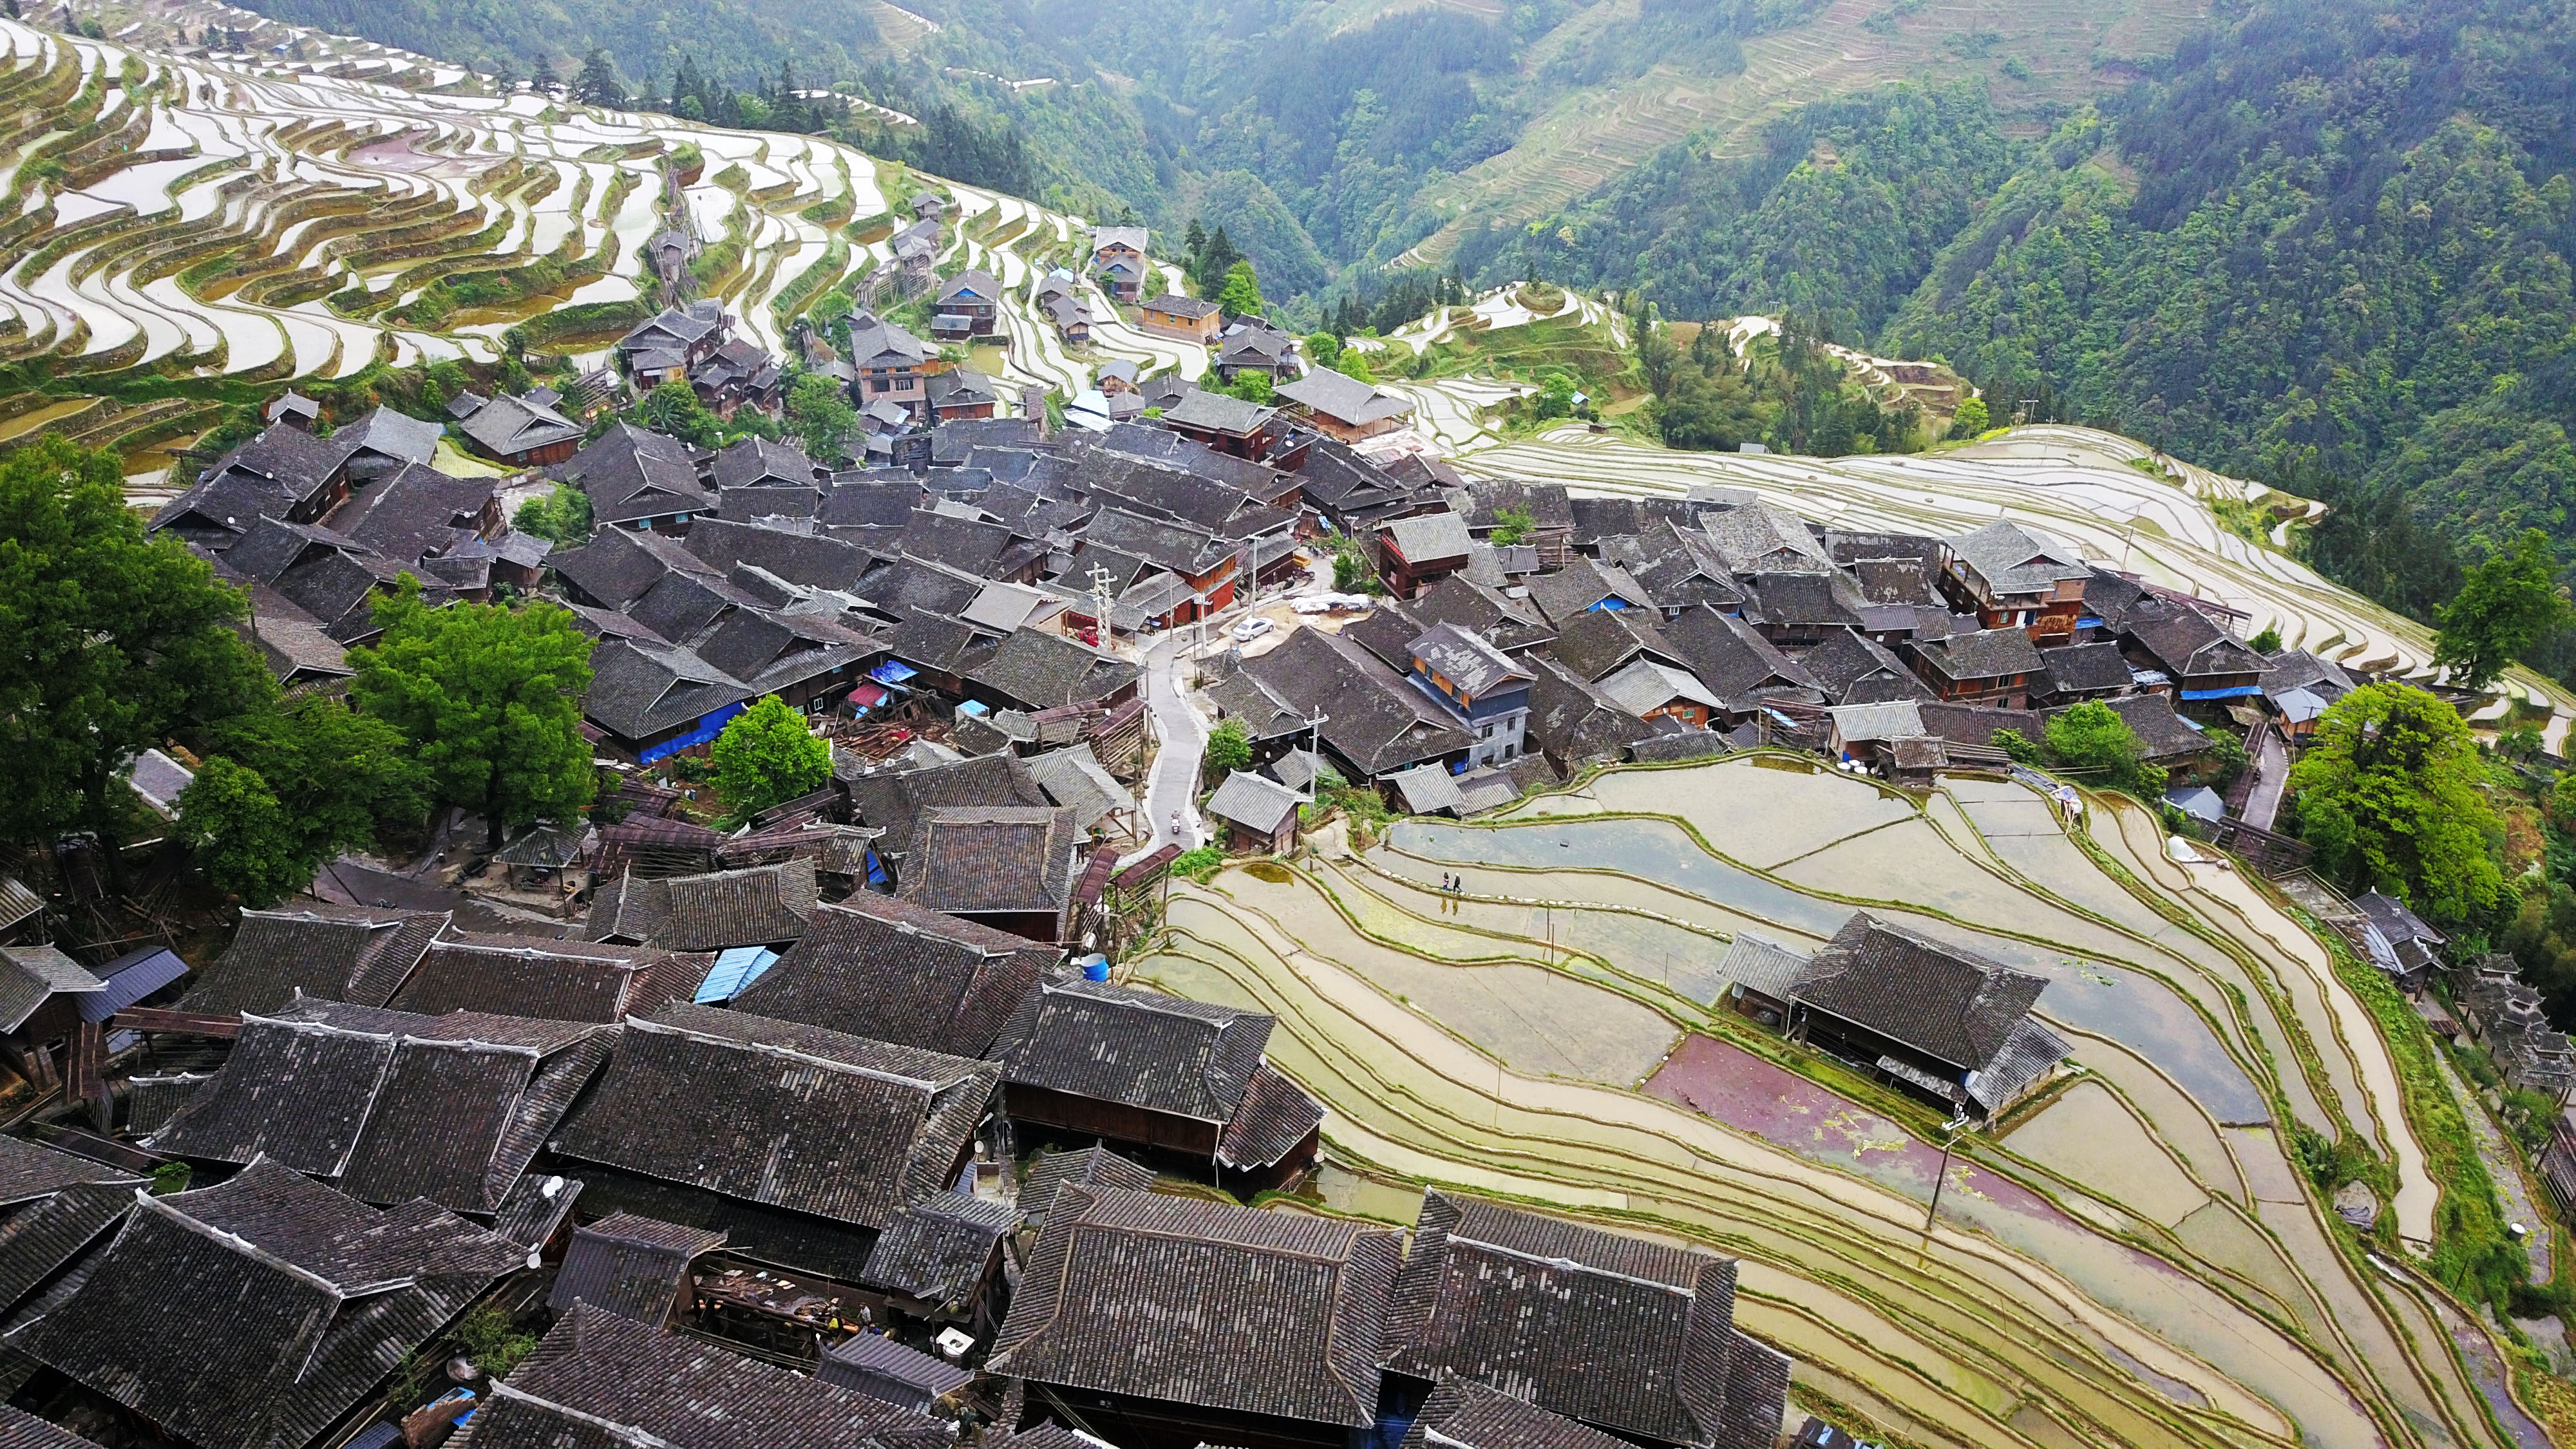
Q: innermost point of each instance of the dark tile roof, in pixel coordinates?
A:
(619, 566)
(1852, 668)
(1730, 658)
(30, 976)
(1217, 412)
(418, 512)
(1575, 722)
(1466, 1414)
(548, 979)
(940, 1248)
(1283, 1311)
(29, 1171)
(507, 426)
(1165, 543)
(2186, 642)
(1966, 724)
(896, 801)
(1466, 660)
(344, 953)
(1179, 306)
(536, 1209)
(2163, 736)
(1374, 719)
(22, 1430)
(873, 1364)
(1627, 1334)
(758, 462)
(597, 1381)
(757, 905)
(1256, 803)
(2014, 560)
(1580, 585)
(630, 473)
(1093, 1166)
(38, 1240)
(1599, 644)
(779, 1113)
(2086, 668)
(639, 690)
(1041, 670)
(322, 1296)
(1804, 599)
(811, 559)
(1942, 1000)
(1505, 622)
(890, 970)
(393, 1104)
(979, 858)
(878, 498)
(1121, 1044)
(1985, 654)
(1275, 1119)
(631, 1266)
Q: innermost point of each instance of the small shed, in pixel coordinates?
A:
(635, 1267)
(1260, 814)
(1761, 975)
(881, 1368)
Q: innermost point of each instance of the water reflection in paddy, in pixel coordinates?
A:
(2125, 1005)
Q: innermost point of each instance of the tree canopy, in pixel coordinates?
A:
(490, 699)
(767, 755)
(2388, 795)
(1240, 295)
(114, 642)
(2505, 606)
(1229, 748)
(293, 788)
(562, 517)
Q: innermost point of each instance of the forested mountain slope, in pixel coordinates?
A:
(2329, 249)
(1332, 137)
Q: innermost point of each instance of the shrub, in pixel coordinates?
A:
(1200, 865)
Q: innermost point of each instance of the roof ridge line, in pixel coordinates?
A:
(1575, 1264)
(925, 1084)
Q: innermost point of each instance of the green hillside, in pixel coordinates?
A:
(1333, 138)
(2330, 249)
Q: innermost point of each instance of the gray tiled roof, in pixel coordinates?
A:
(2086, 668)
(1217, 412)
(631, 1266)
(757, 905)
(344, 953)
(1985, 654)
(1343, 397)
(1758, 963)
(322, 1295)
(1467, 661)
(991, 858)
(1616, 1331)
(940, 1248)
(2014, 560)
(1942, 1000)
(1121, 1044)
(1428, 537)
(598, 1379)
(886, 969)
(1257, 804)
(773, 1112)
(1286, 1308)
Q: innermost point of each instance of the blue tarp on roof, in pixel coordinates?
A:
(735, 968)
(129, 979)
(709, 726)
(975, 707)
(893, 671)
(2236, 692)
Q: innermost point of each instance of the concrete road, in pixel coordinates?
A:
(2271, 778)
(1181, 733)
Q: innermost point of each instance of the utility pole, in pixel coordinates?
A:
(1315, 751)
(1947, 1129)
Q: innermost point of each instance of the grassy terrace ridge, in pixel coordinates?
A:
(1439, 1082)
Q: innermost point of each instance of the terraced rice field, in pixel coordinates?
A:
(2132, 1260)
(174, 220)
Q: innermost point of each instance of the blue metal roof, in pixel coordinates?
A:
(893, 671)
(735, 968)
(2236, 692)
(130, 978)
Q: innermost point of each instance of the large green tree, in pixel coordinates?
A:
(2505, 605)
(490, 699)
(1240, 296)
(2388, 794)
(110, 643)
(767, 754)
(293, 787)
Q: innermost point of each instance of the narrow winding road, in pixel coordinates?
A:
(1182, 736)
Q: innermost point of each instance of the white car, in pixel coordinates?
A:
(1251, 629)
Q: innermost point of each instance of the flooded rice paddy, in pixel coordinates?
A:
(2133, 1259)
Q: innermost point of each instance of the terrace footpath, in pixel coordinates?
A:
(2504, 1165)
(2271, 779)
